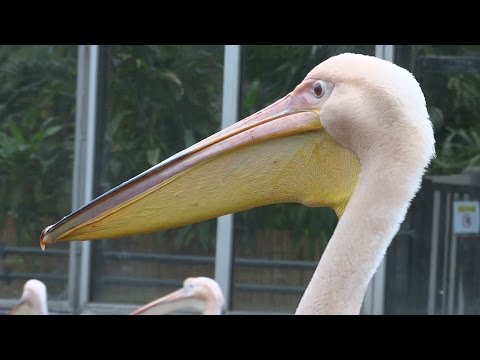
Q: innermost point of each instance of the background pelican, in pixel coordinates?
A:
(33, 300)
(200, 293)
(354, 135)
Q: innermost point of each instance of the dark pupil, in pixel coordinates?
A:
(318, 89)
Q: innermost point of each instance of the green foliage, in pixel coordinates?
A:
(37, 112)
(165, 98)
(457, 142)
(456, 94)
(461, 148)
(161, 99)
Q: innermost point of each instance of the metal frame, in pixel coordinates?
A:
(452, 262)
(86, 121)
(446, 294)
(83, 169)
(230, 104)
(374, 302)
(434, 254)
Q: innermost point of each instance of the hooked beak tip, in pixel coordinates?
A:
(43, 241)
(42, 244)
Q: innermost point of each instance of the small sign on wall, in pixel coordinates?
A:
(466, 217)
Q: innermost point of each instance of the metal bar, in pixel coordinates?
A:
(440, 286)
(446, 64)
(446, 235)
(291, 264)
(471, 190)
(423, 226)
(452, 266)
(443, 250)
(376, 291)
(230, 103)
(276, 289)
(118, 280)
(432, 289)
(34, 251)
(29, 275)
(125, 309)
(459, 274)
(253, 312)
(461, 296)
(185, 259)
(161, 283)
(385, 52)
(378, 300)
(89, 167)
(74, 258)
(108, 309)
(168, 283)
(367, 304)
(83, 168)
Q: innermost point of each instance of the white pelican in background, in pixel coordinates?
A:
(354, 135)
(33, 300)
(201, 293)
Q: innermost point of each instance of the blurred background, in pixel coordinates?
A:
(76, 121)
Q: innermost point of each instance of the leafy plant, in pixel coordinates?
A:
(37, 107)
(160, 100)
(455, 94)
(461, 148)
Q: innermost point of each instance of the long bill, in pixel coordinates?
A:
(177, 300)
(280, 154)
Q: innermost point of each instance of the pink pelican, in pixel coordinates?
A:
(33, 300)
(354, 135)
(201, 294)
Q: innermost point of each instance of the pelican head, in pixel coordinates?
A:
(354, 135)
(198, 293)
(33, 300)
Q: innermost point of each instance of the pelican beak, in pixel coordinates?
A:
(16, 308)
(176, 300)
(281, 154)
(22, 308)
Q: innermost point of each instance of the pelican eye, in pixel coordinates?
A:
(318, 89)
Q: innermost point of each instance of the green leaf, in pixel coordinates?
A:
(52, 131)
(17, 132)
(153, 156)
(189, 139)
(37, 138)
(250, 100)
(48, 121)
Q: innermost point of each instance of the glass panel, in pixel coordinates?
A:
(37, 119)
(157, 101)
(450, 78)
(277, 247)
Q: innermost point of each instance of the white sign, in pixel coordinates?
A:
(466, 217)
